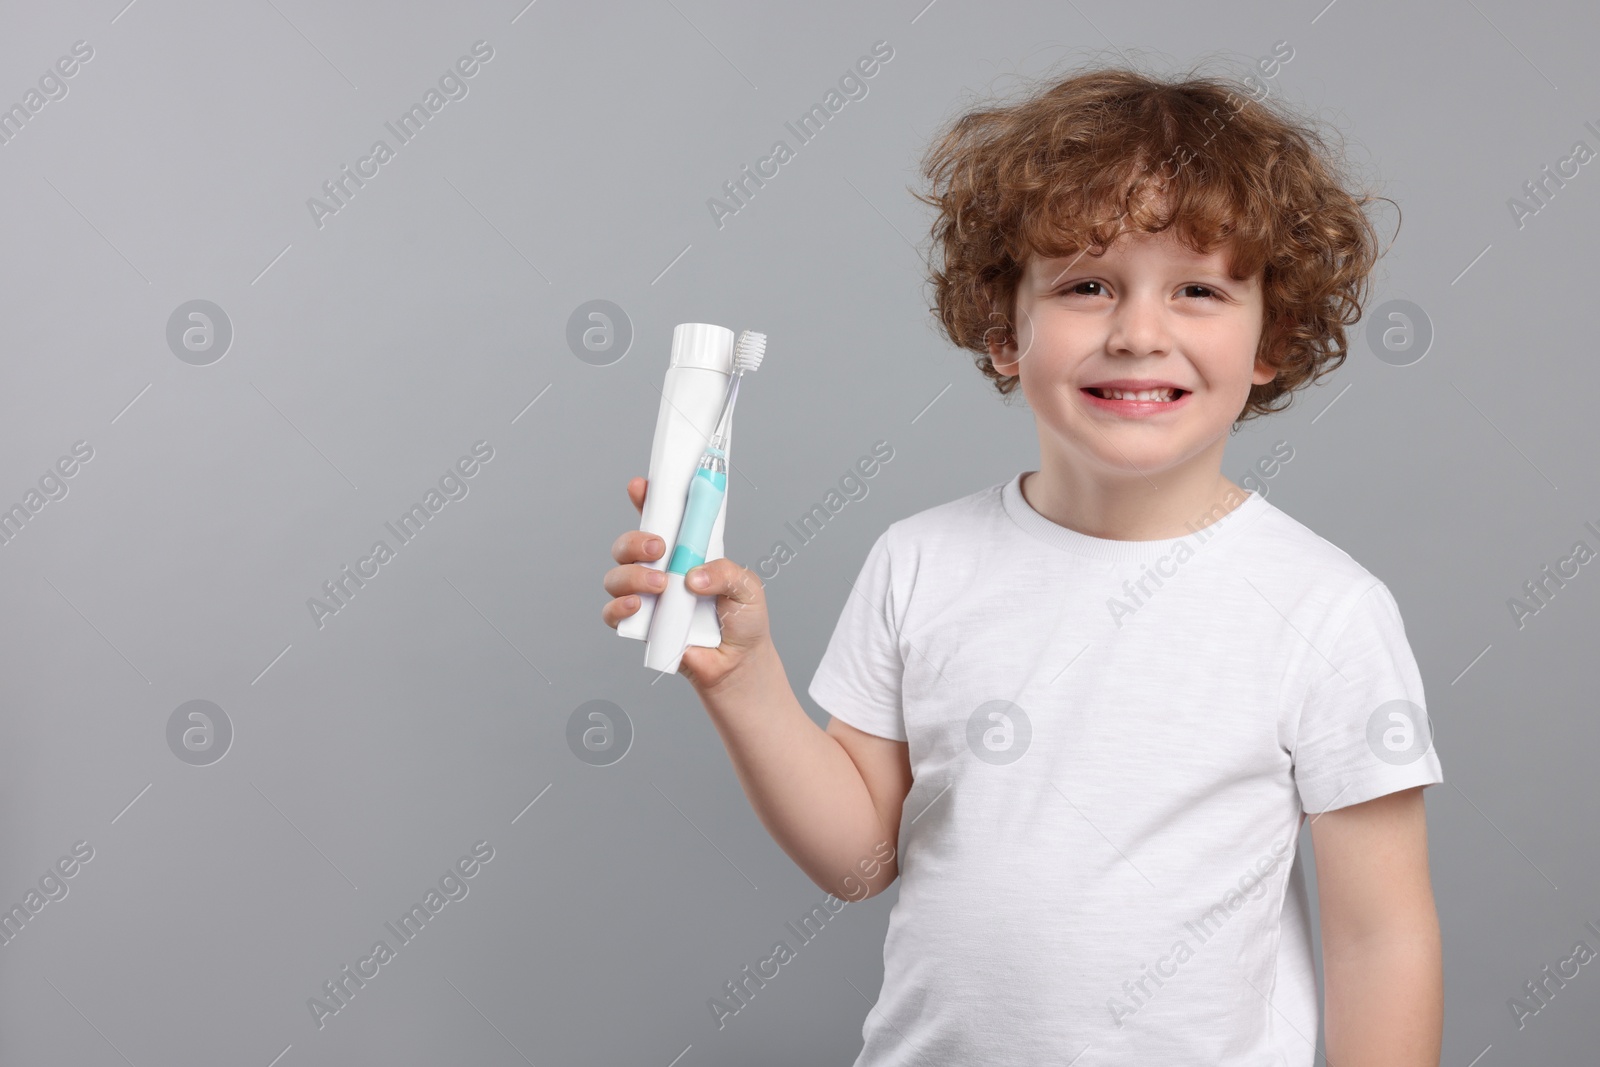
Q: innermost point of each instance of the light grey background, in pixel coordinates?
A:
(369, 355)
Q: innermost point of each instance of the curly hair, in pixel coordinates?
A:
(1110, 150)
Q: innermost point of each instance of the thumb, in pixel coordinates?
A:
(723, 577)
(704, 668)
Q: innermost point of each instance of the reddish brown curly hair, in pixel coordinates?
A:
(1110, 150)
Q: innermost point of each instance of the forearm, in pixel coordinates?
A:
(803, 785)
(1385, 1000)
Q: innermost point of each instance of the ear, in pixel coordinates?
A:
(1264, 372)
(1003, 355)
(1002, 343)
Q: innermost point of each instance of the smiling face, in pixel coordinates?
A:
(1148, 313)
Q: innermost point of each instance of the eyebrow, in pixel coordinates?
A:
(1050, 274)
(1051, 270)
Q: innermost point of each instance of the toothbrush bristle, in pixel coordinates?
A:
(749, 350)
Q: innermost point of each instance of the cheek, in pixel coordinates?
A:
(1226, 354)
(1026, 339)
(1047, 347)
(1048, 388)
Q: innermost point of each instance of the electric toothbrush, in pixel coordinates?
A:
(675, 604)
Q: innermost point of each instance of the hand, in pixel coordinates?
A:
(741, 602)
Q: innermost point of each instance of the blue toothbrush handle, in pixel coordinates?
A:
(706, 490)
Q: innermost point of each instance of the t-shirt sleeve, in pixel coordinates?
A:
(1363, 730)
(858, 679)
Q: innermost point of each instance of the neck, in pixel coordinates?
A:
(1130, 506)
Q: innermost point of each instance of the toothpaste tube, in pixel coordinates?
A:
(691, 400)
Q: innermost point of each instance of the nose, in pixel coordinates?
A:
(1139, 326)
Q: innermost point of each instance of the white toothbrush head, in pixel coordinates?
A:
(748, 351)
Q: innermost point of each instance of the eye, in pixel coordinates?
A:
(1078, 289)
(1074, 290)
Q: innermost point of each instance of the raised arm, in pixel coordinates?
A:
(830, 799)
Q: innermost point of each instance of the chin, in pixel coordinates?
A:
(1131, 461)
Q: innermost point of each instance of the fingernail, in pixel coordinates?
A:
(653, 545)
(699, 580)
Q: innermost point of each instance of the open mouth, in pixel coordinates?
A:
(1158, 395)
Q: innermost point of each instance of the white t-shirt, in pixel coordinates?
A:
(1113, 743)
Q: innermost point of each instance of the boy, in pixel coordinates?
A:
(1083, 714)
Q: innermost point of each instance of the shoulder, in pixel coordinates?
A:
(1313, 581)
(938, 544)
(1285, 540)
(953, 523)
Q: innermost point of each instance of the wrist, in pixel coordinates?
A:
(759, 675)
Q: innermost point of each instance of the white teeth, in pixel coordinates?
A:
(1144, 394)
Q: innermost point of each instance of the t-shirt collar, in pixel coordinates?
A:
(1036, 525)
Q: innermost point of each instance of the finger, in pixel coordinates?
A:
(635, 545)
(637, 488)
(617, 610)
(634, 578)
